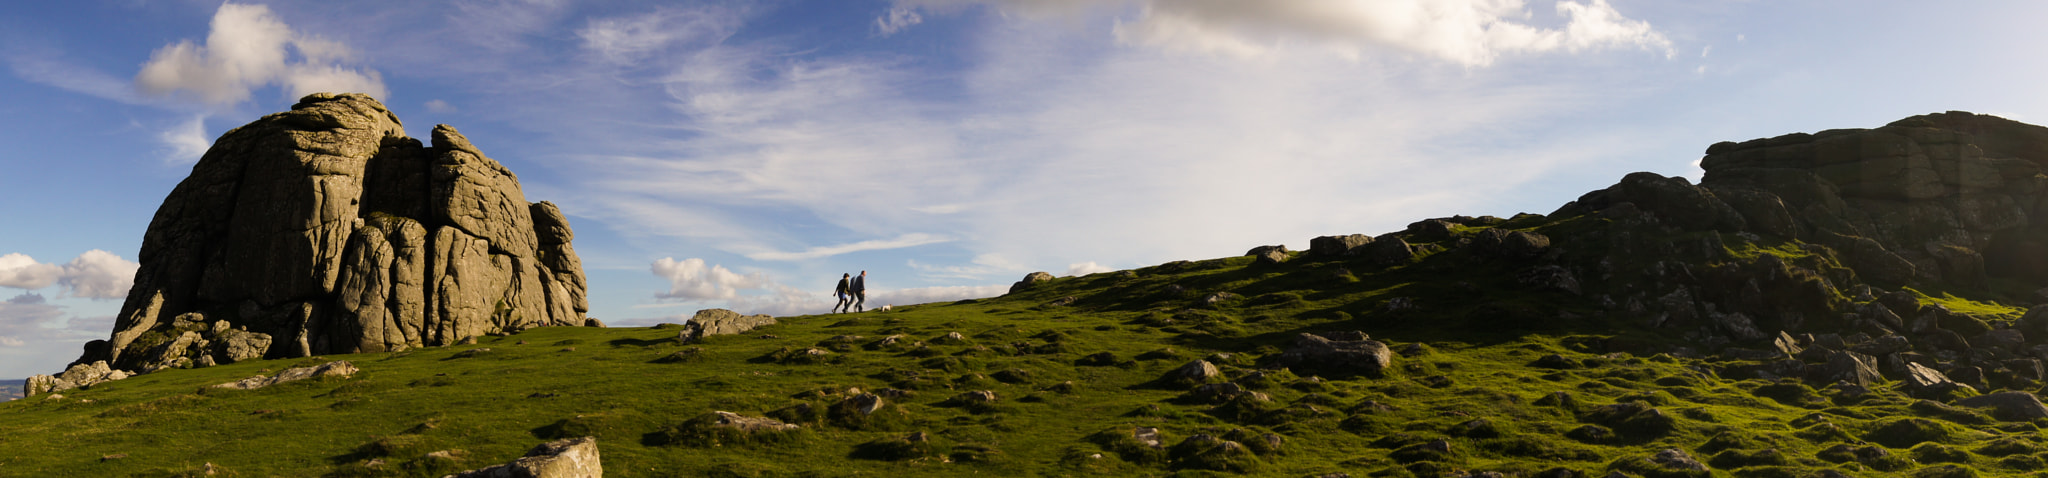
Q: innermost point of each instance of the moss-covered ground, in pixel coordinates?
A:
(1488, 375)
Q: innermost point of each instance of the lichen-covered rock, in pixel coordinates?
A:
(330, 369)
(564, 458)
(721, 322)
(2009, 405)
(1316, 354)
(1334, 246)
(325, 229)
(77, 376)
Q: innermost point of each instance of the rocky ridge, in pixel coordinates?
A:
(325, 229)
(1820, 256)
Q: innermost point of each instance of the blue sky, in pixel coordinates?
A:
(744, 154)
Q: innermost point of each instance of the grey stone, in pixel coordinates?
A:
(340, 368)
(1334, 246)
(1030, 280)
(317, 226)
(1312, 353)
(564, 458)
(2009, 405)
(709, 322)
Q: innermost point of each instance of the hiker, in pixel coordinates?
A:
(844, 299)
(859, 289)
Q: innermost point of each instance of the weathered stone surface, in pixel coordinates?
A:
(721, 322)
(325, 229)
(1030, 280)
(1314, 353)
(1198, 371)
(77, 376)
(1496, 242)
(2010, 405)
(1262, 250)
(1333, 246)
(1852, 367)
(564, 458)
(330, 369)
(1270, 257)
(1389, 251)
(1922, 380)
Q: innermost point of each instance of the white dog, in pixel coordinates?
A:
(882, 308)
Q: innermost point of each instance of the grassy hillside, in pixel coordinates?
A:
(1489, 375)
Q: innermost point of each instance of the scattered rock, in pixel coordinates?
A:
(77, 376)
(1263, 250)
(341, 369)
(1926, 382)
(1192, 373)
(565, 458)
(593, 322)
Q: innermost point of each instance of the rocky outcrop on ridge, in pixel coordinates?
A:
(325, 229)
(564, 458)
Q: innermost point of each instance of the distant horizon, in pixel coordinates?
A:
(743, 156)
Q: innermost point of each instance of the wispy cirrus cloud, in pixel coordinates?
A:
(899, 242)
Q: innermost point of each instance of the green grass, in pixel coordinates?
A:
(1073, 382)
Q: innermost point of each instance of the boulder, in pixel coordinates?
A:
(709, 322)
(564, 458)
(1335, 246)
(1852, 367)
(76, 376)
(1505, 244)
(1270, 257)
(1389, 251)
(1191, 373)
(1030, 280)
(327, 230)
(1312, 353)
(1923, 381)
(341, 369)
(1263, 250)
(2010, 405)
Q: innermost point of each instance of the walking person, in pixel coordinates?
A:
(859, 289)
(840, 292)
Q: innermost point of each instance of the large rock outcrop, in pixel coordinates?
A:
(325, 229)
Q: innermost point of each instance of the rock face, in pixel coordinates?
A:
(564, 458)
(325, 229)
(1315, 353)
(1029, 280)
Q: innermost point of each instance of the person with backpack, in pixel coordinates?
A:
(845, 299)
(859, 289)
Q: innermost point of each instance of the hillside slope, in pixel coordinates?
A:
(1655, 328)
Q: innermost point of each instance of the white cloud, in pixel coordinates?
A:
(37, 336)
(980, 267)
(438, 106)
(95, 274)
(187, 141)
(896, 20)
(246, 48)
(906, 240)
(694, 279)
(20, 271)
(628, 39)
(1086, 268)
(6, 341)
(98, 274)
(1466, 32)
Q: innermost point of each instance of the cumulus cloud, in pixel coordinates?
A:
(96, 274)
(247, 47)
(20, 271)
(1086, 268)
(896, 20)
(694, 279)
(1466, 32)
